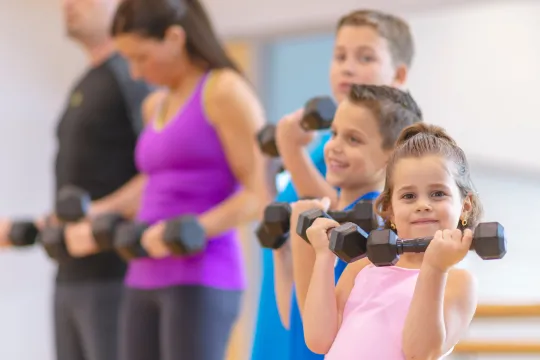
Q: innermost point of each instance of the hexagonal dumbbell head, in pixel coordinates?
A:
(184, 235)
(268, 241)
(127, 240)
(266, 138)
(362, 214)
(319, 113)
(381, 247)
(277, 217)
(489, 241)
(23, 233)
(72, 204)
(306, 219)
(52, 239)
(103, 229)
(348, 242)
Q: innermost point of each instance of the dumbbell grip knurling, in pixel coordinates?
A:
(417, 245)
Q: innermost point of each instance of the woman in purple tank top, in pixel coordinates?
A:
(205, 177)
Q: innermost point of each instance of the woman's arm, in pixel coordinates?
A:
(283, 282)
(325, 302)
(236, 113)
(127, 198)
(441, 310)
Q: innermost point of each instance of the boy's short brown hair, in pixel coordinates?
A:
(394, 109)
(394, 29)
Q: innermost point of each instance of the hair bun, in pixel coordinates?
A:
(422, 128)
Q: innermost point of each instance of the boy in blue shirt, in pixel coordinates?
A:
(371, 47)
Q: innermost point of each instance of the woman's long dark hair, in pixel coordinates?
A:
(152, 18)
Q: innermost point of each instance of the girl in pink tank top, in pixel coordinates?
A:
(416, 306)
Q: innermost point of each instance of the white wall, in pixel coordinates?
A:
(37, 65)
(510, 199)
(278, 16)
(477, 72)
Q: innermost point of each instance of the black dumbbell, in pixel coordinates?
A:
(277, 218)
(127, 240)
(384, 247)
(103, 230)
(362, 214)
(266, 138)
(269, 241)
(22, 233)
(349, 242)
(275, 227)
(318, 114)
(182, 236)
(72, 205)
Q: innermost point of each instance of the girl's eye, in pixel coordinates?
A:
(438, 194)
(407, 196)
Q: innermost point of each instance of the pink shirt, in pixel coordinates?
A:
(374, 315)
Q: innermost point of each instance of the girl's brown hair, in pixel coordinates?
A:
(421, 139)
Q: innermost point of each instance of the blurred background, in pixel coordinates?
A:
(476, 73)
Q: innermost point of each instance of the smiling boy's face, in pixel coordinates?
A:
(354, 155)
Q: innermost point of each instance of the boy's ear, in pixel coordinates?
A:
(401, 75)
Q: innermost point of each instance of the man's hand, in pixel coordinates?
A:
(79, 239)
(5, 228)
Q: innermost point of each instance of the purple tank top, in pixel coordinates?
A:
(187, 172)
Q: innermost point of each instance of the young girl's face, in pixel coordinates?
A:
(354, 155)
(361, 56)
(426, 197)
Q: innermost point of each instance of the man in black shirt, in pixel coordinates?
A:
(96, 136)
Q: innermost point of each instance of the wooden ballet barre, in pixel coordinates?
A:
(506, 311)
(499, 347)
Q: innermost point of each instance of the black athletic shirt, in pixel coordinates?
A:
(96, 142)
